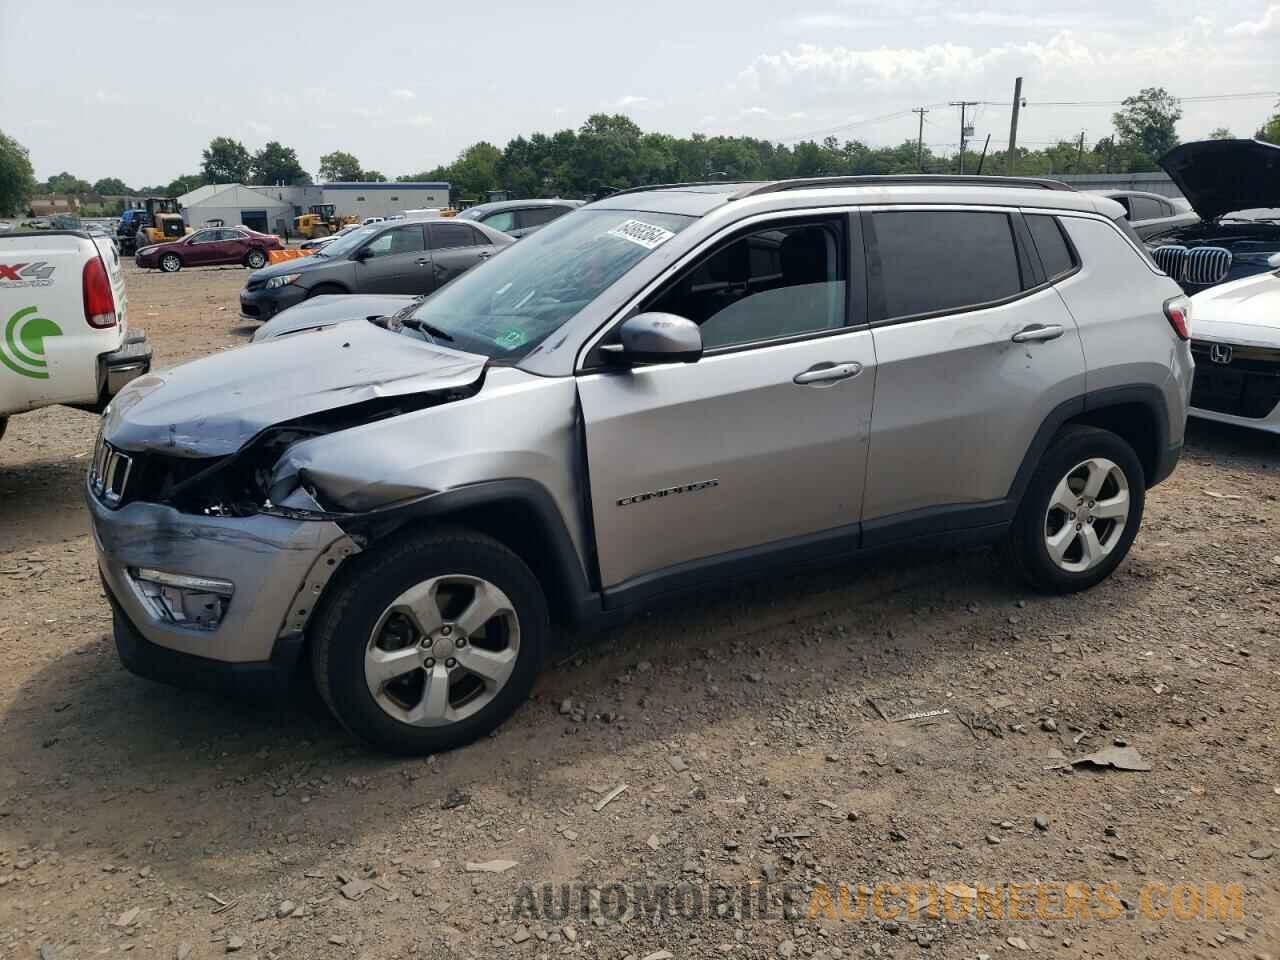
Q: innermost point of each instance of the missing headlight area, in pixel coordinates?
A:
(240, 485)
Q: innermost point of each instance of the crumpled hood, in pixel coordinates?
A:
(328, 309)
(1245, 311)
(1221, 176)
(210, 407)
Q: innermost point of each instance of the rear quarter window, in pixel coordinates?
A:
(1052, 245)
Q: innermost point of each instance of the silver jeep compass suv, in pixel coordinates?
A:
(660, 390)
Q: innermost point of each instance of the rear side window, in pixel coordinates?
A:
(447, 235)
(1051, 243)
(537, 216)
(1144, 208)
(938, 261)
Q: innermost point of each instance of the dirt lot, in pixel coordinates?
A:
(749, 727)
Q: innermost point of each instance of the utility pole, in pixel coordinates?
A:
(965, 131)
(1012, 163)
(1080, 154)
(920, 139)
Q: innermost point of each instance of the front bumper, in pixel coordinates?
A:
(147, 261)
(275, 565)
(262, 305)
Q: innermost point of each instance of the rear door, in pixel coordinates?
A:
(974, 349)
(456, 247)
(763, 440)
(232, 246)
(396, 261)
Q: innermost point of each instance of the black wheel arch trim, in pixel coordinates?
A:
(582, 602)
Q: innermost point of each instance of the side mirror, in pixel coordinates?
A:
(364, 253)
(656, 338)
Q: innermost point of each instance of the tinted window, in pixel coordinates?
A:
(537, 216)
(399, 240)
(933, 261)
(447, 235)
(504, 221)
(772, 283)
(1144, 208)
(204, 236)
(1052, 245)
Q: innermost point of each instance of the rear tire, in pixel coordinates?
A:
(256, 260)
(170, 263)
(430, 642)
(1080, 512)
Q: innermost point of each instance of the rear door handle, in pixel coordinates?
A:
(1038, 332)
(828, 372)
(484, 254)
(423, 262)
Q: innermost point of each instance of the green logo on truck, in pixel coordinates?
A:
(22, 349)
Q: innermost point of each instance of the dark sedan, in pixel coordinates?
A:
(207, 248)
(414, 257)
(519, 218)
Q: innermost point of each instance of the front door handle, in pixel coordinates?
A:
(1038, 332)
(828, 372)
(423, 262)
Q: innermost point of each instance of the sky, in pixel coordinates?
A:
(137, 89)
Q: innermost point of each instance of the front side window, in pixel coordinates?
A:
(781, 281)
(204, 236)
(508, 307)
(938, 261)
(504, 220)
(1051, 244)
(1144, 208)
(397, 241)
(537, 216)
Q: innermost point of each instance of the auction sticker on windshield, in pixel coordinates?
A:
(645, 234)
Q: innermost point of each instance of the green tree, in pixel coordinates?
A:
(276, 163)
(17, 179)
(226, 161)
(340, 166)
(1221, 133)
(1270, 131)
(183, 184)
(374, 176)
(111, 187)
(1147, 123)
(67, 183)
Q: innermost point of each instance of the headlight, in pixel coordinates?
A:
(147, 250)
(275, 283)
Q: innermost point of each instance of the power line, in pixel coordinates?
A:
(854, 123)
(1208, 98)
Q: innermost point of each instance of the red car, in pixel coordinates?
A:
(206, 248)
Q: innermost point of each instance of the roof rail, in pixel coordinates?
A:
(815, 183)
(677, 186)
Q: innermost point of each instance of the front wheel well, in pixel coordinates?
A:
(1133, 422)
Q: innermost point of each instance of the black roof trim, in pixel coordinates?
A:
(919, 179)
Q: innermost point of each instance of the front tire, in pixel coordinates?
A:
(256, 260)
(1080, 513)
(170, 263)
(431, 642)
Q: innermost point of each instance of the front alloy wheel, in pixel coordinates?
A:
(170, 263)
(430, 640)
(442, 650)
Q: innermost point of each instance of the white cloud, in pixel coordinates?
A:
(756, 112)
(419, 120)
(629, 101)
(798, 115)
(1251, 28)
(258, 128)
(827, 21)
(109, 97)
(402, 93)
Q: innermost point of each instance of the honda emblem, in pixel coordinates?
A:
(1220, 352)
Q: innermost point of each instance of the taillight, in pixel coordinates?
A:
(99, 301)
(1178, 310)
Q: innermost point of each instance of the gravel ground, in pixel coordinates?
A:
(756, 730)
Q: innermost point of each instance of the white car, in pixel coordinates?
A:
(1236, 344)
(64, 333)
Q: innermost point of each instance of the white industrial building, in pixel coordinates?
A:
(272, 208)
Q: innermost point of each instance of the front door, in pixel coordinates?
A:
(201, 248)
(974, 350)
(396, 261)
(764, 439)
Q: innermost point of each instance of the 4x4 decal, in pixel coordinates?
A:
(38, 274)
(22, 349)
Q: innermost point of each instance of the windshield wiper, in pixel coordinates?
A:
(435, 333)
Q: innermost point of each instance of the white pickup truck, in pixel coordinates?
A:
(64, 335)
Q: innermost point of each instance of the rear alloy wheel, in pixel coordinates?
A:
(430, 643)
(256, 260)
(1080, 512)
(170, 263)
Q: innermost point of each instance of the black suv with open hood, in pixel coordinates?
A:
(1234, 185)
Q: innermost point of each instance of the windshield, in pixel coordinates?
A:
(344, 244)
(471, 213)
(511, 304)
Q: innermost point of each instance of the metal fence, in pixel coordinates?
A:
(1147, 182)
